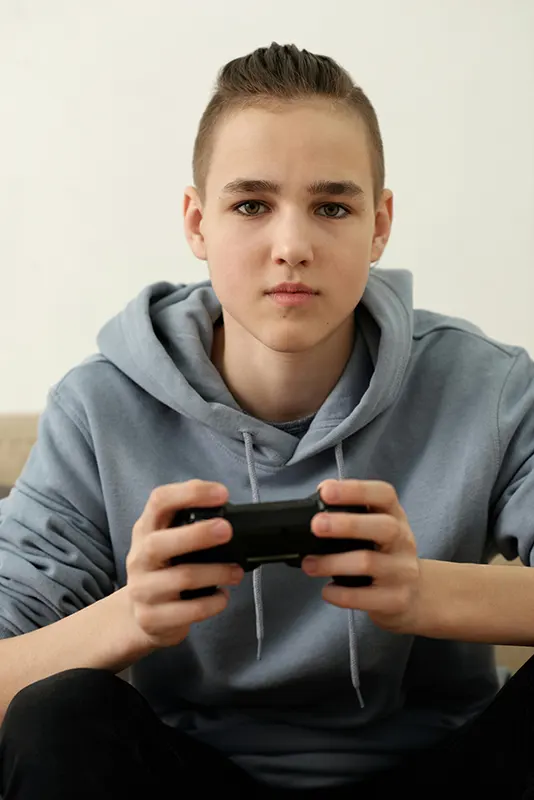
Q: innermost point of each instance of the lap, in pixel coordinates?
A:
(492, 756)
(489, 757)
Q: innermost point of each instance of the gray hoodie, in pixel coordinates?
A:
(427, 402)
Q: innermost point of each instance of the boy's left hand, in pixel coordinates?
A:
(393, 598)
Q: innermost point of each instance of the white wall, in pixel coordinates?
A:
(100, 100)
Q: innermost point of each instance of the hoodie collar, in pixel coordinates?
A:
(162, 340)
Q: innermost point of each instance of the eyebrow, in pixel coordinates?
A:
(254, 185)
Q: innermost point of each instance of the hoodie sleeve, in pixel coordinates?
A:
(55, 550)
(512, 507)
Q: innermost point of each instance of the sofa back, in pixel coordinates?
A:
(18, 433)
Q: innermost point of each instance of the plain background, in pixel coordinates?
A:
(99, 106)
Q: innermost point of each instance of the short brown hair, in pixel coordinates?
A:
(283, 73)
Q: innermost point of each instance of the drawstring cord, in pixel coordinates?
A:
(257, 574)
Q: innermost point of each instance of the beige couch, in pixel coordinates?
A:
(18, 433)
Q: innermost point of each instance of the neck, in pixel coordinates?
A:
(276, 386)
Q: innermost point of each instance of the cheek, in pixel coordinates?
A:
(233, 261)
(230, 276)
(346, 289)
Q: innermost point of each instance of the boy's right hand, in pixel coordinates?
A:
(153, 586)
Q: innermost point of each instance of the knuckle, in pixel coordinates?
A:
(146, 619)
(366, 561)
(151, 547)
(391, 492)
(136, 593)
(413, 572)
(186, 575)
(140, 592)
(133, 563)
(195, 486)
(156, 497)
(130, 561)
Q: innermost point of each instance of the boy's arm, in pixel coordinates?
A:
(104, 635)
(56, 555)
(58, 604)
(489, 603)
(476, 603)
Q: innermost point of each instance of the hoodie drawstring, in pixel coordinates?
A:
(353, 645)
(257, 574)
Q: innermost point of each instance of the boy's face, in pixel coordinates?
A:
(255, 239)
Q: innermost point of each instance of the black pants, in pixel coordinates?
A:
(86, 734)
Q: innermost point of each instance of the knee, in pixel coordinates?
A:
(61, 701)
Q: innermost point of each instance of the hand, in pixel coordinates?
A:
(154, 587)
(392, 600)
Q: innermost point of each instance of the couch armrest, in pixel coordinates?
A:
(18, 433)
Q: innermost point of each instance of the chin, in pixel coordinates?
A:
(288, 341)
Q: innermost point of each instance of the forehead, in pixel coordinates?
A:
(291, 142)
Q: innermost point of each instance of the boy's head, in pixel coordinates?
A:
(288, 168)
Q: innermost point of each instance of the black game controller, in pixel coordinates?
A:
(264, 533)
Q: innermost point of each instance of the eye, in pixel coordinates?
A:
(250, 208)
(335, 207)
(253, 203)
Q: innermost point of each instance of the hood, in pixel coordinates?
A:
(162, 341)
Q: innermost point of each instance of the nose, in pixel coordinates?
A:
(292, 242)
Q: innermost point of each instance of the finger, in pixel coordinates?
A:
(361, 562)
(158, 548)
(165, 500)
(373, 598)
(380, 528)
(156, 620)
(165, 585)
(377, 495)
(388, 601)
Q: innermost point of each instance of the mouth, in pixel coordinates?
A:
(292, 294)
(291, 288)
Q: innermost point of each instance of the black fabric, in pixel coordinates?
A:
(87, 734)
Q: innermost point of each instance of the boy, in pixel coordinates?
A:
(293, 368)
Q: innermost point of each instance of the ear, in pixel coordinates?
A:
(383, 222)
(193, 222)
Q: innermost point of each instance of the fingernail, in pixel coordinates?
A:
(310, 564)
(221, 528)
(333, 492)
(323, 524)
(237, 574)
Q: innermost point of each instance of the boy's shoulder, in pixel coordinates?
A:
(459, 332)
(93, 381)
(455, 353)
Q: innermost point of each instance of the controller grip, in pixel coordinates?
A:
(353, 580)
(192, 594)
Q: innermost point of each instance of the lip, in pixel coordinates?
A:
(292, 294)
(292, 298)
(291, 288)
